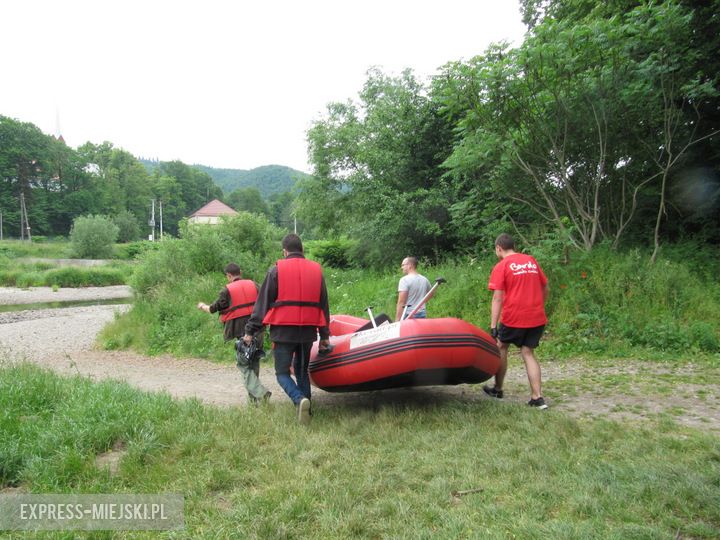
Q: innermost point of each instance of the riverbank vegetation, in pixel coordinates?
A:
(48, 264)
(602, 302)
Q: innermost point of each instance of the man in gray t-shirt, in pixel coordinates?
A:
(411, 290)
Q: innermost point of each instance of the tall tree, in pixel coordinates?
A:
(24, 166)
(378, 161)
(582, 121)
(248, 200)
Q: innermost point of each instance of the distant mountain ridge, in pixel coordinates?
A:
(268, 179)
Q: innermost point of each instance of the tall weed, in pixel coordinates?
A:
(171, 279)
(602, 302)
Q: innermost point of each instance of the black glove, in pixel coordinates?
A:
(494, 333)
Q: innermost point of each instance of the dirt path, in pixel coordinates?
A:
(63, 340)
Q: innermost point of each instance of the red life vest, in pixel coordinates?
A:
(243, 295)
(298, 299)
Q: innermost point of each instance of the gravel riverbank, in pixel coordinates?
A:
(37, 295)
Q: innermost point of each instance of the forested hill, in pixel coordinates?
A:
(268, 179)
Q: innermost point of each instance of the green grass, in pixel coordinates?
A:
(17, 274)
(363, 469)
(54, 249)
(16, 270)
(63, 249)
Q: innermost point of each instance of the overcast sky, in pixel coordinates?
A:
(222, 83)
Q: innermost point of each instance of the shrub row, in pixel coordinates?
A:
(68, 276)
(604, 302)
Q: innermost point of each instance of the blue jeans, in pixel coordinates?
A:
(297, 354)
(418, 315)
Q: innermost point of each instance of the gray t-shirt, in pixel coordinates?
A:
(417, 286)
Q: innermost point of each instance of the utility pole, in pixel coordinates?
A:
(152, 222)
(24, 222)
(161, 231)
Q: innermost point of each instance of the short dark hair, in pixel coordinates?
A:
(412, 260)
(292, 243)
(505, 241)
(233, 269)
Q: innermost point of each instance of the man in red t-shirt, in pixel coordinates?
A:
(519, 291)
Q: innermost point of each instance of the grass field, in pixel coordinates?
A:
(31, 264)
(370, 468)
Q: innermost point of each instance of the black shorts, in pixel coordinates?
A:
(521, 337)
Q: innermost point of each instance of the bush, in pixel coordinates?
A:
(132, 250)
(128, 226)
(333, 253)
(29, 279)
(84, 277)
(92, 237)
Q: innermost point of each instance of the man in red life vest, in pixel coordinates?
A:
(235, 304)
(293, 300)
(520, 289)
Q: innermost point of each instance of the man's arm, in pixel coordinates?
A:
(324, 331)
(223, 302)
(402, 300)
(496, 307)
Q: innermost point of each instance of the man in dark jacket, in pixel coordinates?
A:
(293, 300)
(235, 304)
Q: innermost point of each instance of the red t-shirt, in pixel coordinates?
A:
(523, 281)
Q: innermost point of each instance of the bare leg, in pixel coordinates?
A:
(533, 371)
(500, 375)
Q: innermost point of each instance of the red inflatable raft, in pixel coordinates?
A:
(413, 352)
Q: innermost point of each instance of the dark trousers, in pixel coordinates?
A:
(296, 355)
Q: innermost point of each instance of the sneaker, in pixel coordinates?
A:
(538, 403)
(493, 392)
(304, 411)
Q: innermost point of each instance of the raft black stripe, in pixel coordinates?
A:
(447, 338)
(431, 377)
(345, 362)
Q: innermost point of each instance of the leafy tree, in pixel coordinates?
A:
(281, 207)
(196, 187)
(93, 236)
(123, 182)
(128, 226)
(583, 123)
(376, 171)
(248, 200)
(667, 93)
(167, 189)
(24, 166)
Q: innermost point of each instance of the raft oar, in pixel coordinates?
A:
(372, 319)
(422, 302)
